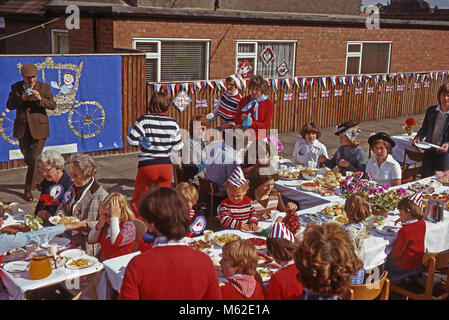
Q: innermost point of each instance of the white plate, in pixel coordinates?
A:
(61, 242)
(388, 230)
(55, 220)
(220, 244)
(16, 266)
(72, 253)
(91, 262)
(426, 145)
(15, 254)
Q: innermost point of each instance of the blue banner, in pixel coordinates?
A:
(88, 94)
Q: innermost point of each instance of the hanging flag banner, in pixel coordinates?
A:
(88, 113)
(215, 103)
(288, 96)
(324, 79)
(426, 84)
(389, 88)
(370, 90)
(400, 87)
(303, 96)
(417, 85)
(338, 92)
(325, 94)
(201, 103)
(358, 90)
(182, 100)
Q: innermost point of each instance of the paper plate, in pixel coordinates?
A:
(16, 266)
(90, 261)
(56, 220)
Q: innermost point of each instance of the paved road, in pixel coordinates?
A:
(117, 172)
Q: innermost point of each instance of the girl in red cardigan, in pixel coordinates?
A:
(406, 258)
(281, 246)
(238, 265)
(114, 230)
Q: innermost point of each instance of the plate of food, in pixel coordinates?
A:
(59, 241)
(265, 273)
(315, 217)
(14, 254)
(222, 239)
(288, 174)
(326, 191)
(308, 174)
(428, 187)
(56, 220)
(15, 228)
(259, 228)
(309, 186)
(200, 245)
(444, 181)
(259, 243)
(72, 253)
(387, 230)
(16, 266)
(81, 262)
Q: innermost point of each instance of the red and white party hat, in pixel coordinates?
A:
(279, 230)
(237, 177)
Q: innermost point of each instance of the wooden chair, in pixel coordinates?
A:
(378, 290)
(431, 262)
(140, 229)
(409, 172)
(177, 174)
(206, 192)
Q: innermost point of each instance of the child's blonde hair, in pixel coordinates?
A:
(126, 214)
(189, 191)
(357, 207)
(410, 207)
(233, 189)
(243, 253)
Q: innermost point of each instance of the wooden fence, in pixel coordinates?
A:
(326, 111)
(288, 115)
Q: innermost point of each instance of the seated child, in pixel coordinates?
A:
(309, 148)
(236, 211)
(114, 230)
(238, 265)
(281, 246)
(406, 258)
(357, 210)
(326, 276)
(191, 195)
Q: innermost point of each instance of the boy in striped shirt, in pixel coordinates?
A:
(236, 211)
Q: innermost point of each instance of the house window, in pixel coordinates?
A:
(59, 41)
(368, 57)
(175, 59)
(270, 59)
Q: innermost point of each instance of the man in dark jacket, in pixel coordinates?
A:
(435, 130)
(31, 99)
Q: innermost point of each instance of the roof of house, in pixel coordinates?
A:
(29, 7)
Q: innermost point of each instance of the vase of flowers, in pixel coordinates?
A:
(409, 124)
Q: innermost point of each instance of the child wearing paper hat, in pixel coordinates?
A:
(406, 258)
(227, 103)
(236, 211)
(281, 246)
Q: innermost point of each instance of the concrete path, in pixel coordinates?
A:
(117, 172)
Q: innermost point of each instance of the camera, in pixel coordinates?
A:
(27, 89)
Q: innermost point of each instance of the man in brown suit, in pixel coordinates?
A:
(30, 98)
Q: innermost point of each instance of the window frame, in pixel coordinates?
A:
(157, 56)
(360, 53)
(256, 56)
(54, 32)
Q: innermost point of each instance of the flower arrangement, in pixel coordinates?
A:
(388, 200)
(278, 144)
(409, 124)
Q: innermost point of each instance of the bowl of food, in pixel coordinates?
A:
(308, 174)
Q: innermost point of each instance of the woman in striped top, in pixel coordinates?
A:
(227, 103)
(158, 135)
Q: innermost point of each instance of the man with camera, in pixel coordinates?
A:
(31, 99)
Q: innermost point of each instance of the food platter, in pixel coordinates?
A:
(15, 228)
(57, 220)
(221, 239)
(200, 245)
(16, 266)
(309, 186)
(387, 230)
(81, 262)
(313, 217)
(14, 254)
(428, 187)
(444, 181)
(259, 243)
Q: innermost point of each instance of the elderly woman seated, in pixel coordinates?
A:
(55, 183)
(83, 199)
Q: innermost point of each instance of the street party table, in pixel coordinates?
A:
(19, 283)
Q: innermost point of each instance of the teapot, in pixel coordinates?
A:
(40, 267)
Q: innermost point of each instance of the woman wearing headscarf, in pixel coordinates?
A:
(349, 156)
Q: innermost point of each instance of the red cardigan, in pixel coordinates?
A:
(284, 285)
(170, 273)
(264, 114)
(229, 292)
(408, 251)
